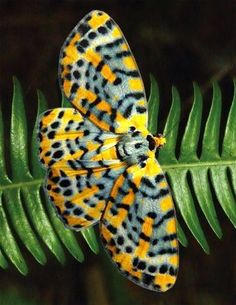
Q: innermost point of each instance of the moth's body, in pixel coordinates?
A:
(101, 157)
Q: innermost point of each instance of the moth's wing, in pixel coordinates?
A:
(138, 227)
(77, 183)
(100, 77)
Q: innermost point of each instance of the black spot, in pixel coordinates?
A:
(68, 193)
(109, 24)
(128, 249)
(141, 265)
(56, 190)
(80, 49)
(83, 28)
(83, 102)
(102, 30)
(80, 63)
(141, 109)
(68, 76)
(148, 279)
(78, 211)
(100, 186)
(48, 153)
(152, 268)
(74, 88)
(152, 215)
(155, 241)
(128, 111)
(168, 215)
(88, 18)
(86, 132)
(49, 187)
(159, 178)
(169, 237)
(151, 254)
(87, 86)
(46, 113)
(123, 54)
(120, 240)
(144, 237)
(148, 183)
(55, 125)
(95, 77)
(98, 48)
(60, 115)
(92, 35)
(135, 261)
(172, 271)
(163, 268)
(167, 251)
(68, 205)
(107, 57)
(57, 154)
(100, 66)
(138, 145)
(76, 74)
(51, 134)
(117, 81)
(111, 229)
(56, 145)
(84, 43)
(65, 183)
(88, 217)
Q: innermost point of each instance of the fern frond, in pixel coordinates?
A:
(192, 176)
(24, 207)
(26, 214)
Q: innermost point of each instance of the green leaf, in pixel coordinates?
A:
(197, 174)
(153, 106)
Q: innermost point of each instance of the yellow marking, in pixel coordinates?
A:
(163, 184)
(129, 63)
(174, 243)
(142, 249)
(97, 20)
(104, 106)
(108, 74)
(116, 32)
(163, 280)
(171, 226)
(92, 57)
(67, 87)
(73, 220)
(135, 84)
(71, 52)
(166, 203)
(75, 39)
(124, 47)
(92, 146)
(174, 260)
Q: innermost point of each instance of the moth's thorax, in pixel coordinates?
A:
(134, 146)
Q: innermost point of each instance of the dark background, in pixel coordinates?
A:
(178, 42)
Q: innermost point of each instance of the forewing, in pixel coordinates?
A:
(99, 75)
(81, 165)
(138, 227)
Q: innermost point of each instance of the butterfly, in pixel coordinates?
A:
(100, 156)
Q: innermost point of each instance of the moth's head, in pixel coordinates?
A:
(156, 142)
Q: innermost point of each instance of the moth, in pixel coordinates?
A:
(100, 156)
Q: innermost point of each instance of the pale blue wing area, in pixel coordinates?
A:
(139, 227)
(99, 75)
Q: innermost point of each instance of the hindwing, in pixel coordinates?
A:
(138, 227)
